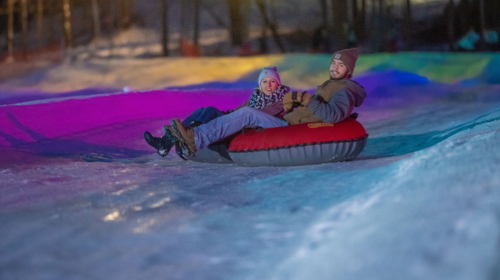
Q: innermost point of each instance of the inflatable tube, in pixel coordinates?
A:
(213, 153)
(302, 144)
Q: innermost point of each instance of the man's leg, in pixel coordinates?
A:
(227, 125)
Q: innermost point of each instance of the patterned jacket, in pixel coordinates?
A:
(274, 109)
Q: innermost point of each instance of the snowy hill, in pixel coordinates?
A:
(82, 196)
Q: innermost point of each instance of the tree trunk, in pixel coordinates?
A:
(124, 8)
(481, 20)
(39, 21)
(182, 29)
(374, 23)
(451, 35)
(339, 9)
(362, 20)
(216, 17)
(355, 11)
(196, 22)
(164, 26)
(10, 31)
(271, 26)
(96, 17)
(324, 12)
(68, 35)
(409, 26)
(237, 28)
(24, 25)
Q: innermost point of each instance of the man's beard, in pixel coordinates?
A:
(337, 79)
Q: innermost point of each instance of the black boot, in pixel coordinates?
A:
(162, 145)
(176, 143)
(179, 150)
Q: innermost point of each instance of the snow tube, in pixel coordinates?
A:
(302, 144)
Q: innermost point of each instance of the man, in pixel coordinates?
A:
(332, 102)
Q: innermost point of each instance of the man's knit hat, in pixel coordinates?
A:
(269, 71)
(349, 57)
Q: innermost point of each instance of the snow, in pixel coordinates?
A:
(82, 196)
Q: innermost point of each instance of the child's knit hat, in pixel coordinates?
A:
(269, 71)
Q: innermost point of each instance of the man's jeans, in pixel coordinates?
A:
(203, 115)
(228, 125)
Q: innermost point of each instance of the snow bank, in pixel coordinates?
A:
(431, 216)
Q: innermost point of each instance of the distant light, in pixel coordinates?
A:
(111, 217)
(127, 89)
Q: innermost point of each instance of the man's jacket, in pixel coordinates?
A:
(332, 102)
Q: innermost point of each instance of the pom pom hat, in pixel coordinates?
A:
(349, 57)
(269, 71)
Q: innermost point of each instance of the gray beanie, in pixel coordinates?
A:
(269, 71)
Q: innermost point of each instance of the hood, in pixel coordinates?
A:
(359, 90)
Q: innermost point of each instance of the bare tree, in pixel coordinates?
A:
(24, 25)
(96, 19)
(270, 25)
(10, 30)
(324, 12)
(409, 26)
(451, 32)
(39, 21)
(196, 22)
(339, 9)
(237, 28)
(481, 20)
(164, 26)
(124, 9)
(360, 24)
(68, 36)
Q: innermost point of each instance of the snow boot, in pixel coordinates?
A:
(179, 150)
(180, 147)
(162, 145)
(184, 134)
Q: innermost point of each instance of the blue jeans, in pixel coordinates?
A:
(203, 115)
(228, 125)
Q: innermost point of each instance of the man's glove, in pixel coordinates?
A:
(295, 99)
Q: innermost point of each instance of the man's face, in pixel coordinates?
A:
(338, 70)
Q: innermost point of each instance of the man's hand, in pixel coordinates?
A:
(295, 99)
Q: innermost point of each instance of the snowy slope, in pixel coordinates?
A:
(83, 197)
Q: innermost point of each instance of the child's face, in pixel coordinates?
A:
(269, 85)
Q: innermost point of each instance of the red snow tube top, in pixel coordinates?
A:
(307, 143)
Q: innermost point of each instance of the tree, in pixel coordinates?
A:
(239, 26)
(68, 36)
(196, 22)
(96, 19)
(270, 25)
(451, 31)
(340, 25)
(10, 30)
(164, 26)
(409, 26)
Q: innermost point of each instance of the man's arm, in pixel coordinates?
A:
(274, 109)
(339, 108)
